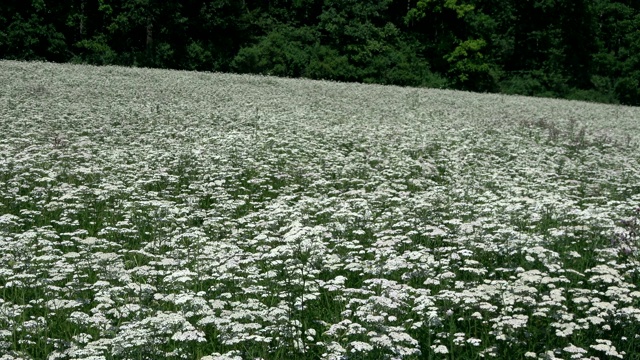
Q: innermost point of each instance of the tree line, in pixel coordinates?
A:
(576, 49)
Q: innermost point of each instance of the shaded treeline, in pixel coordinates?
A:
(579, 49)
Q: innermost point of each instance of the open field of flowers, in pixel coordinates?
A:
(148, 214)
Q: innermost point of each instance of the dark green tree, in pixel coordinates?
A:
(285, 51)
(456, 49)
(28, 31)
(374, 47)
(215, 31)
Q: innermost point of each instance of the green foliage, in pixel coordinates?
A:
(405, 68)
(423, 7)
(95, 51)
(535, 83)
(27, 34)
(627, 89)
(469, 68)
(368, 50)
(283, 52)
(198, 57)
(591, 96)
(328, 63)
(524, 84)
(374, 48)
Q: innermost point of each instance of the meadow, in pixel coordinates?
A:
(151, 214)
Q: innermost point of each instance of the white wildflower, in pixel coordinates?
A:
(440, 349)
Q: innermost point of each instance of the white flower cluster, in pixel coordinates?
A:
(150, 214)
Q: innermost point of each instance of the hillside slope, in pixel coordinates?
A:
(164, 214)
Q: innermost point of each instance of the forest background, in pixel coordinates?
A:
(574, 49)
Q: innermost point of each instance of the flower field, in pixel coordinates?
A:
(151, 214)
